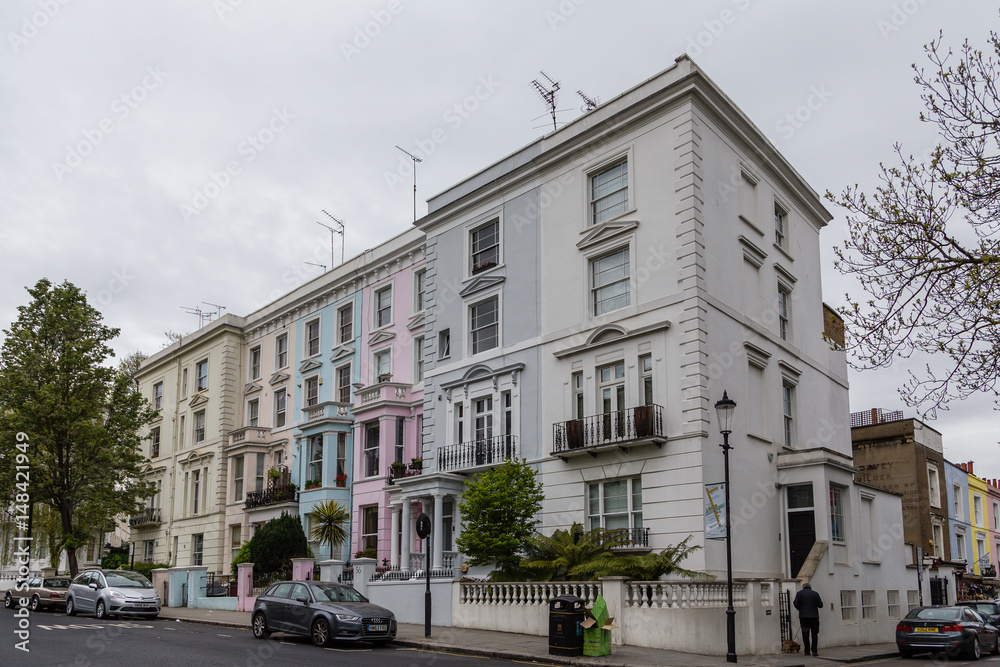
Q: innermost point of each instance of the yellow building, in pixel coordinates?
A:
(979, 521)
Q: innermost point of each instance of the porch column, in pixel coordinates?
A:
(394, 536)
(404, 552)
(437, 532)
(456, 521)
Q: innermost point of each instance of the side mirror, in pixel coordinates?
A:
(303, 600)
(92, 586)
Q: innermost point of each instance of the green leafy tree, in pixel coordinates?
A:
(566, 555)
(499, 513)
(276, 542)
(81, 416)
(925, 245)
(327, 520)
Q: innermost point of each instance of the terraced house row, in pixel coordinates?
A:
(581, 303)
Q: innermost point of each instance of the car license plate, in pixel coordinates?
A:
(925, 629)
(381, 627)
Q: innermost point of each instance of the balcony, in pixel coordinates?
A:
(478, 453)
(149, 516)
(285, 493)
(392, 474)
(637, 539)
(328, 410)
(249, 435)
(383, 394)
(642, 425)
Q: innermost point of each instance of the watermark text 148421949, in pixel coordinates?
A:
(22, 541)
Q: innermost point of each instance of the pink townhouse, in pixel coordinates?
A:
(993, 525)
(388, 397)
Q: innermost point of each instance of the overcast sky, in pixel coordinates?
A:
(166, 154)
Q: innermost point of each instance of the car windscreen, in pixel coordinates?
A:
(127, 580)
(986, 608)
(56, 583)
(936, 614)
(337, 593)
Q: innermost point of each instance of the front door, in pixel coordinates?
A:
(801, 536)
(613, 401)
(483, 409)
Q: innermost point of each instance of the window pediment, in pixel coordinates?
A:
(380, 337)
(605, 232)
(250, 388)
(480, 284)
(341, 352)
(309, 365)
(197, 399)
(278, 378)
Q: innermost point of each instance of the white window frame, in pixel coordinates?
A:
(603, 167)
(959, 505)
(253, 412)
(238, 473)
(960, 544)
(254, 363)
(840, 494)
(377, 370)
(341, 338)
(158, 395)
(338, 374)
(180, 432)
(869, 609)
(937, 538)
(197, 549)
(201, 381)
(280, 408)
(892, 603)
(633, 514)
(848, 606)
(977, 509)
(933, 485)
(788, 413)
(471, 253)
(184, 383)
(203, 428)
(316, 455)
(196, 484)
(307, 339)
(780, 235)
(595, 257)
(783, 305)
(444, 344)
(309, 383)
(278, 361)
(154, 442)
(377, 308)
(470, 348)
(364, 538)
(419, 290)
(912, 600)
(748, 209)
(418, 359)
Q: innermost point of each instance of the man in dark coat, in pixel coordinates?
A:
(808, 602)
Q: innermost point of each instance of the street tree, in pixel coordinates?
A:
(328, 519)
(924, 245)
(81, 416)
(499, 513)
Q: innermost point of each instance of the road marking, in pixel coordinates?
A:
(460, 655)
(218, 635)
(349, 650)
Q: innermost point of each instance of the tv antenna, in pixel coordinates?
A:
(332, 232)
(322, 266)
(589, 102)
(204, 316)
(549, 94)
(415, 161)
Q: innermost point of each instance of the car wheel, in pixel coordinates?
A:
(905, 652)
(70, 607)
(8, 600)
(321, 632)
(260, 630)
(101, 611)
(974, 649)
(36, 604)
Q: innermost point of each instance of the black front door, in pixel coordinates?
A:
(801, 536)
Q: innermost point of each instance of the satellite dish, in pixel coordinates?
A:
(423, 526)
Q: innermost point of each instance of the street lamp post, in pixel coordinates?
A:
(724, 410)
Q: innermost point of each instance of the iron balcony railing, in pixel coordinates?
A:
(611, 428)
(394, 473)
(272, 496)
(148, 515)
(638, 538)
(482, 452)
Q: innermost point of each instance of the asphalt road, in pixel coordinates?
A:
(57, 640)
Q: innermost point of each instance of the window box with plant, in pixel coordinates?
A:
(370, 552)
(416, 464)
(341, 479)
(313, 483)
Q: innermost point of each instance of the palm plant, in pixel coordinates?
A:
(328, 519)
(646, 567)
(567, 555)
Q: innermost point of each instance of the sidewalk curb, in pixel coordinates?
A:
(500, 654)
(866, 658)
(203, 621)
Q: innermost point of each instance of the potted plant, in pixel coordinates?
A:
(274, 474)
(398, 468)
(312, 483)
(416, 463)
(341, 479)
(370, 552)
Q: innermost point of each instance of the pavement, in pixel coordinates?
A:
(533, 648)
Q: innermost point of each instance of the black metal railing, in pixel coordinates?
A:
(220, 586)
(148, 515)
(482, 452)
(633, 538)
(394, 473)
(272, 496)
(619, 426)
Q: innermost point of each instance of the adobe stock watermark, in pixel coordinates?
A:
(120, 280)
(454, 117)
(562, 12)
(370, 29)
(31, 25)
(714, 28)
(121, 108)
(247, 150)
(299, 273)
(794, 120)
(898, 17)
(223, 7)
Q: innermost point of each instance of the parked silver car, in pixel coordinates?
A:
(322, 610)
(112, 592)
(41, 593)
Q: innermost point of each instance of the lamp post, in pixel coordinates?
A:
(724, 410)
